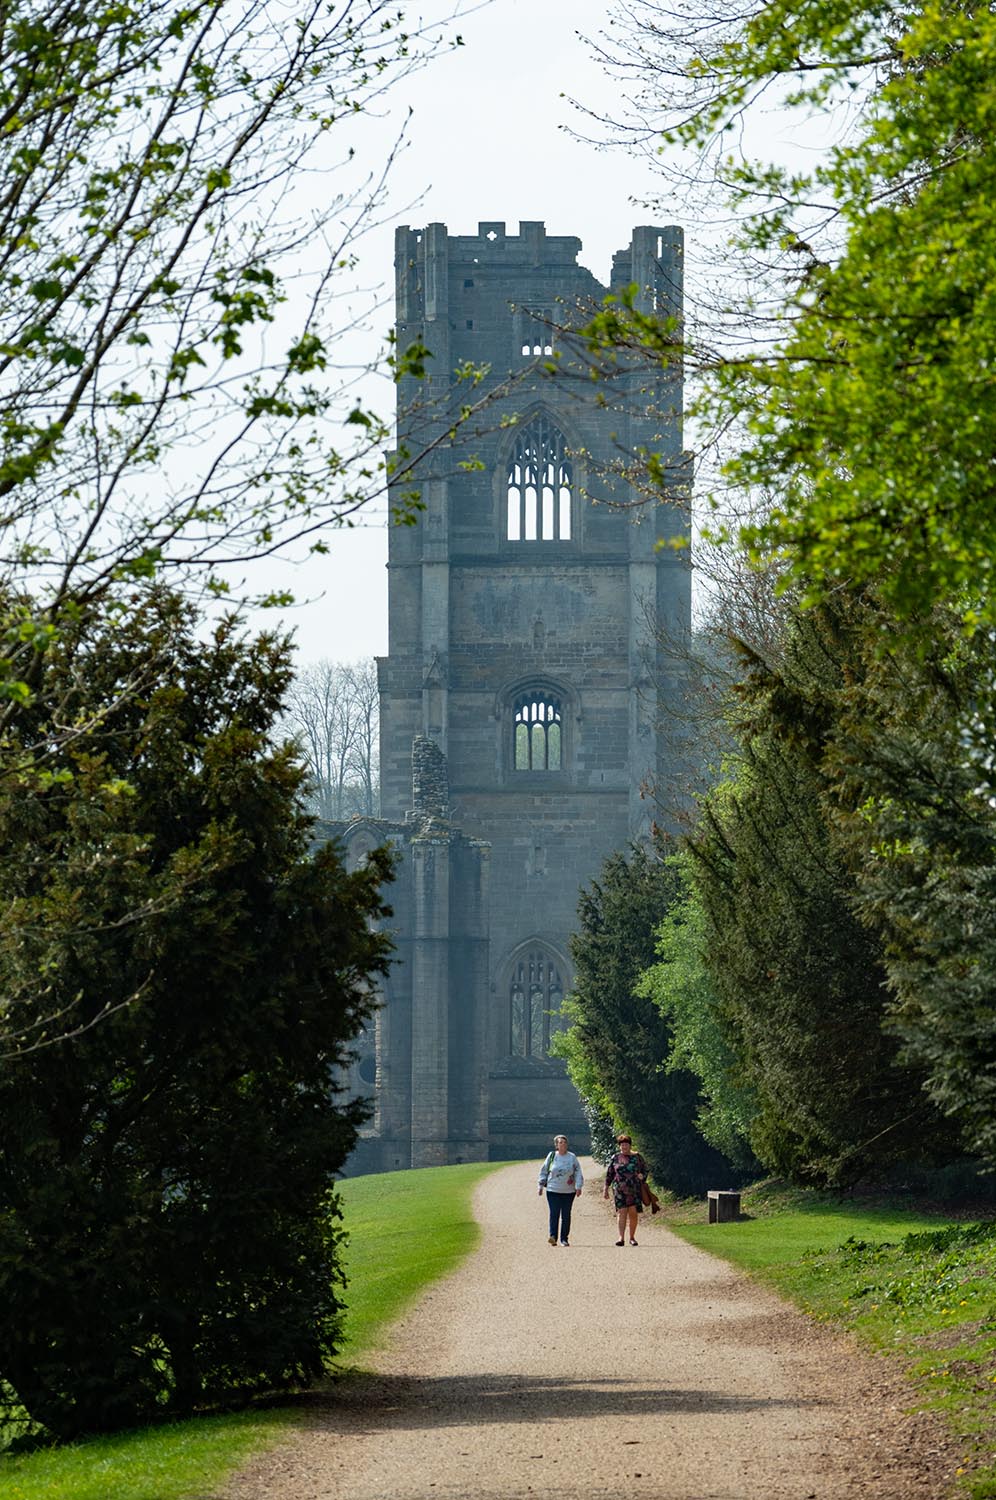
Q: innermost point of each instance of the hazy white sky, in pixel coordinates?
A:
(487, 140)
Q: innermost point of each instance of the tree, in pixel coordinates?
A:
(914, 807)
(166, 291)
(618, 1043)
(860, 393)
(167, 1215)
(333, 713)
(850, 375)
(701, 1043)
(884, 446)
(802, 983)
(366, 760)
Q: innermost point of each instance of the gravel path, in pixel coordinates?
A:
(589, 1372)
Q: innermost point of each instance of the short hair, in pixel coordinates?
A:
(559, 1138)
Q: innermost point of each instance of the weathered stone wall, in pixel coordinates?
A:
(430, 780)
(424, 1063)
(476, 617)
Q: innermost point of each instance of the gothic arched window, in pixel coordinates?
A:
(540, 485)
(538, 732)
(534, 995)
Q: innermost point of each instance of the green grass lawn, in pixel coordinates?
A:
(406, 1230)
(920, 1286)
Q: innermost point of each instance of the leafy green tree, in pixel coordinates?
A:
(701, 1044)
(862, 397)
(873, 417)
(181, 977)
(618, 1043)
(167, 289)
(595, 1103)
(170, 311)
(802, 983)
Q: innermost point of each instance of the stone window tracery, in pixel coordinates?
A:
(535, 993)
(539, 485)
(538, 732)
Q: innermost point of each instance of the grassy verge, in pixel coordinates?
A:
(919, 1286)
(406, 1229)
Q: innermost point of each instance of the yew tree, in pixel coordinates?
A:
(181, 976)
(801, 978)
(915, 812)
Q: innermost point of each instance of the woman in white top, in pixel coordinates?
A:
(561, 1175)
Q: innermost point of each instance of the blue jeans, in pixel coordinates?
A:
(560, 1214)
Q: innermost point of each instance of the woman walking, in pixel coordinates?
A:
(561, 1175)
(626, 1174)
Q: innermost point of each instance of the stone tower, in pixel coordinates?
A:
(527, 612)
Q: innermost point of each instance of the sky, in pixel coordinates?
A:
(489, 138)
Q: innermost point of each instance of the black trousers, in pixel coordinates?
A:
(560, 1214)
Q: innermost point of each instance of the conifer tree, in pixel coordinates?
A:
(802, 981)
(619, 1036)
(915, 811)
(182, 975)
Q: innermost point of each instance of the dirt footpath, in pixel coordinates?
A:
(589, 1372)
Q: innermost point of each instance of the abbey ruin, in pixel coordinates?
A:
(527, 676)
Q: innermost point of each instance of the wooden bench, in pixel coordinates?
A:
(724, 1206)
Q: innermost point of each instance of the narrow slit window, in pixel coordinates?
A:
(540, 485)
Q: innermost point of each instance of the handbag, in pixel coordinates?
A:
(650, 1200)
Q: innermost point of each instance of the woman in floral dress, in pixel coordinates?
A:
(626, 1174)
